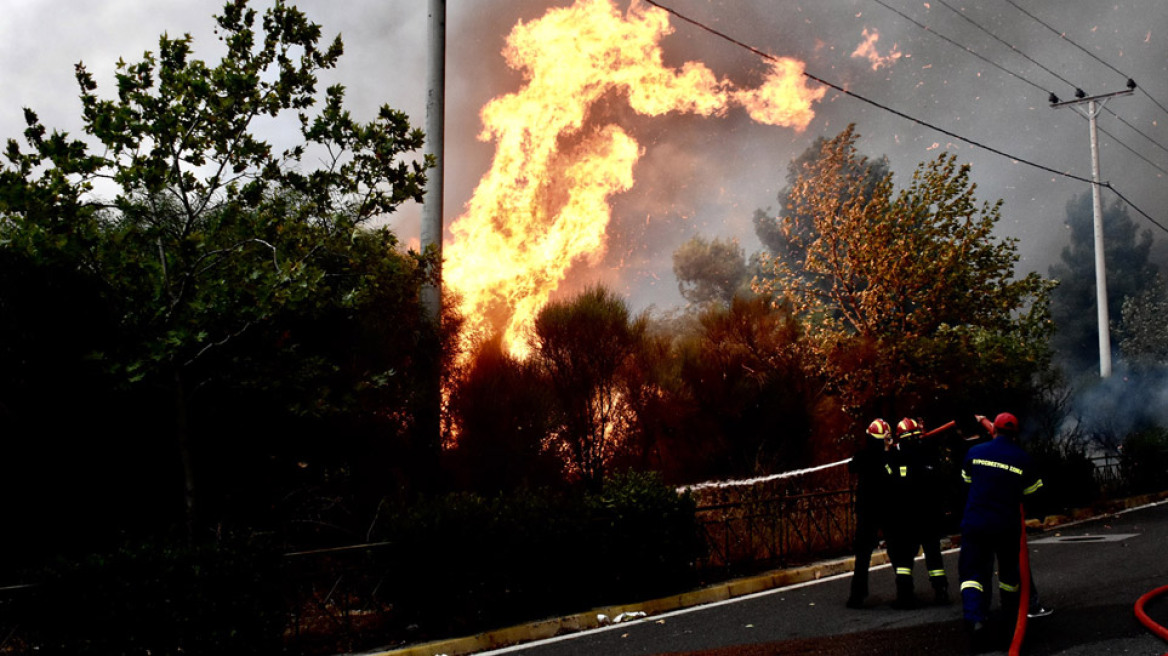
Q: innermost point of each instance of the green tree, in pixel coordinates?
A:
(1145, 335)
(1072, 305)
(201, 233)
(895, 291)
(710, 270)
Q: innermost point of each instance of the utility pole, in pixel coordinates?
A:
(432, 223)
(1094, 106)
(430, 413)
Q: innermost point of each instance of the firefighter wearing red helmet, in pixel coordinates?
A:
(926, 505)
(1000, 476)
(870, 467)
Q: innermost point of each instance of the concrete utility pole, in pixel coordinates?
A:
(430, 414)
(432, 223)
(1094, 106)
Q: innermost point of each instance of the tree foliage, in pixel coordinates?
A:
(586, 347)
(710, 270)
(897, 289)
(1130, 273)
(218, 255)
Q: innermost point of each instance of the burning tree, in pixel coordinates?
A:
(908, 296)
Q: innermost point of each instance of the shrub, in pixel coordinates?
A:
(1144, 460)
(224, 597)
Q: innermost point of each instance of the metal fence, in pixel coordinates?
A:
(761, 528)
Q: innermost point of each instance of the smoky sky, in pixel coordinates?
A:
(707, 176)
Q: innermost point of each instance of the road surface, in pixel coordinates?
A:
(1090, 573)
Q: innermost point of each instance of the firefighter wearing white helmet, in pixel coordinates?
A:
(870, 466)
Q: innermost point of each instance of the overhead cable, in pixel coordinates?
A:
(896, 112)
(1078, 91)
(1005, 43)
(1064, 37)
(963, 47)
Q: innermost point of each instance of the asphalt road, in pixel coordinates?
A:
(1091, 574)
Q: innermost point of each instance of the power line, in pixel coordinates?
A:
(1008, 45)
(1078, 91)
(1054, 98)
(896, 112)
(1092, 55)
(952, 42)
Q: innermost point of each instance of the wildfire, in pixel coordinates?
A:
(543, 205)
(867, 50)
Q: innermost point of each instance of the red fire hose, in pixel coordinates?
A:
(1024, 594)
(1143, 617)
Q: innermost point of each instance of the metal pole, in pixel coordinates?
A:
(1100, 259)
(432, 224)
(1093, 109)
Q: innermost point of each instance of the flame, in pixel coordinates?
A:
(867, 50)
(543, 205)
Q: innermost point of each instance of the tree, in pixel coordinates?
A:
(710, 270)
(784, 235)
(1129, 274)
(1145, 335)
(896, 291)
(211, 233)
(585, 346)
(745, 374)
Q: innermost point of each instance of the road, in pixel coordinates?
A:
(1090, 573)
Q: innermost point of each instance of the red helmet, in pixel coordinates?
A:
(879, 429)
(1006, 422)
(908, 428)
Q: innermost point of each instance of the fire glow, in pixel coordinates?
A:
(544, 203)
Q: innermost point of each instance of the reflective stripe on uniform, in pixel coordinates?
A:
(971, 585)
(1009, 588)
(936, 572)
(997, 465)
(903, 471)
(1033, 488)
(965, 477)
(904, 571)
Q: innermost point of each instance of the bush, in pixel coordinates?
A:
(464, 563)
(1144, 460)
(220, 598)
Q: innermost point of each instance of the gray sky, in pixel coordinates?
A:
(708, 175)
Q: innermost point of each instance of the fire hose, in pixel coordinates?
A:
(1024, 593)
(1143, 617)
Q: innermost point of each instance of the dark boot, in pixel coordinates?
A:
(905, 599)
(859, 592)
(940, 590)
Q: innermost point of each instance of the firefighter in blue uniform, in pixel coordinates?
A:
(926, 504)
(1000, 476)
(870, 467)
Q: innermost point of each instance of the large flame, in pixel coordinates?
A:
(543, 205)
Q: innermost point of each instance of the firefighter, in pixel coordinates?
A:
(870, 467)
(928, 503)
(1000, 475)
(906, 489)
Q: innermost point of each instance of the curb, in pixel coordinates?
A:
(552, 627)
